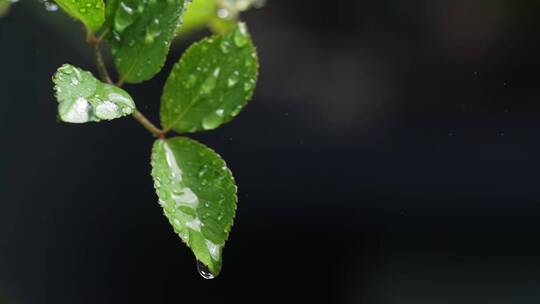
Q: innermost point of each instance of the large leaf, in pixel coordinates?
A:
(90, 12)
(211, 83)
(141, 34)
(198, 196)
(82, 98)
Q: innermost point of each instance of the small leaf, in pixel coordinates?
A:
(198, 196)
(141, 34)
(82, 98)
(90, 12)
(211, 83)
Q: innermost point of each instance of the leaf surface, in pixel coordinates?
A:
(82, 98)
(141, 32)
(198, 196)
(90, 12)
(197, 15)
(211, 83)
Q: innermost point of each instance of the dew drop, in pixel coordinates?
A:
(191, 80)
(248, 86)
(225, 46)
(49, 6)
(124, 17)
(107, 110)
(236, 111)
(233, 79)
(212, 120)
(210, 83)
(204, 271)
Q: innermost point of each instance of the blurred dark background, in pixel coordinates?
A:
(391, 155)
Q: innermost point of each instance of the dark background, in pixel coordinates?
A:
(391, 155)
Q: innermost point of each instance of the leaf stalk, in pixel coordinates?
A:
(104, 75)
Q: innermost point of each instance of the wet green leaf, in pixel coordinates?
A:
(110, 11)
(211, 83)
(141, 34)
(198, 15)
(82, 98)
(198, 196)
(90, 12)
(221, 26)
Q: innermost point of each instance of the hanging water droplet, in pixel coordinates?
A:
(204, 271)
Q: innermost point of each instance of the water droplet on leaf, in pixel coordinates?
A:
(204, 271)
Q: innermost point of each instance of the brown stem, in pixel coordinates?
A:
(148, 125)
(102, 68)
(104, 75)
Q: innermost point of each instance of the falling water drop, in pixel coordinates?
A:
(204, 271)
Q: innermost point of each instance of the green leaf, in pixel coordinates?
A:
(90, 12)
(141, 34)
(82, 98)
(211, 83)
(197, 15)
(110, 11)
(198, 196)
(4, 7)
(221, 26)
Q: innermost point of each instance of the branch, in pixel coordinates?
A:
(104, 75)
(148, 125)
(102, 68)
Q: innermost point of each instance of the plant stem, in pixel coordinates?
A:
(102, 68)
(148, 125)
(104, 75)
(102, 36)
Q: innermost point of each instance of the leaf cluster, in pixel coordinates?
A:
(208, 87)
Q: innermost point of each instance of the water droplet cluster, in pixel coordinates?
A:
(140, 43)
(82, 98)
(186, 177)
(211, 83)
(90, 12)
